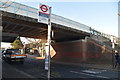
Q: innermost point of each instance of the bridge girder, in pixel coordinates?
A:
(29, 27)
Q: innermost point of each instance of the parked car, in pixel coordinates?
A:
(14, 55)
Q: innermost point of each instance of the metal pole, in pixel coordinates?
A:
(49, 42)
(113, 46)
(24, 48)
(1, 29)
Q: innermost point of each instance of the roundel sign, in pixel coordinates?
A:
(44, 9)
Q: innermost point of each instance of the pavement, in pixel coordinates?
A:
(107, 67)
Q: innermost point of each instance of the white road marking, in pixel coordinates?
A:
(94, 71)
(98, 70)
(89, 74)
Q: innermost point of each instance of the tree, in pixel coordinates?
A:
(17, 44)
(36, 43)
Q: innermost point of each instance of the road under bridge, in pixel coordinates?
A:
(71, 44)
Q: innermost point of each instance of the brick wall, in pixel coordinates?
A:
(81, 52)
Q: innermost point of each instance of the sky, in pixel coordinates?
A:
(101, 15)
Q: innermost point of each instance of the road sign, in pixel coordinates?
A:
(44, 13)
(44, 9)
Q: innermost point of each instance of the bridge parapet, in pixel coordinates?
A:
(20, 9)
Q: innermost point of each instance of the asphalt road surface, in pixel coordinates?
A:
(34, 68)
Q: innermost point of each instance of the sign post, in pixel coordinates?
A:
(113, 51)
(45, 17)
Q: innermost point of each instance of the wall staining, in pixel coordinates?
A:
(82, 52)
